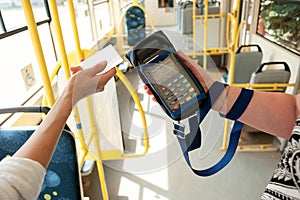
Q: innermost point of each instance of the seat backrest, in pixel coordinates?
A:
(62, 179)
(276, 75)
(246, 62)
(135, 24)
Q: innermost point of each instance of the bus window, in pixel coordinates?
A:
(102, 15)
(20, 77)
(82, 21)
(16, 54)
(13, 15)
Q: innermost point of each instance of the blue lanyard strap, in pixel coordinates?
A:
(192, 140)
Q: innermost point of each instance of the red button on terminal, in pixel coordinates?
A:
(176, 107)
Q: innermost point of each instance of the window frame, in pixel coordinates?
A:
(6, 33)
(280, 44)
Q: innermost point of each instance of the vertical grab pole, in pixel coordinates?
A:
(75, 30)
(205, 34)
(89, 107)
(194, 29)
(65, 65)
(32, 28)
(98, 151)
(232, 48)
(235, 41)
(60, 39)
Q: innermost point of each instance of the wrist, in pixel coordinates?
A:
(229, 100)
(221, 102)
(218, 93)
(226, 99)
(72, 92)
(66, 99)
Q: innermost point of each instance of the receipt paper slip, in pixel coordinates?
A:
(108, 53)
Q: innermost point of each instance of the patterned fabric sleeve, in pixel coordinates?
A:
(285, 183)
(20, 178)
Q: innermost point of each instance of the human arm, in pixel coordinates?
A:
(274, 113)
(42, 143)
(22, 174)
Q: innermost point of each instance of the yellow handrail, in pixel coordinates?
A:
(194, 29)
(274, 86)
(64, 62)
(234, 43)
(98, 155)
(59, 37)
(205, 34)
(208, 51)
(94, 136)
(231, 25)
(65, 65)
(135, 97)
(75, 30)
(257, 86)
(142, 113)
(32, 27)
(209, 16)
(64, 58)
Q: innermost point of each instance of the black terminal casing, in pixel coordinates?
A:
(175, 88)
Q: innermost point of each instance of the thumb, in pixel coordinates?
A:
(98, 67)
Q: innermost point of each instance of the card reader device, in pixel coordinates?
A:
(175, 88)
(182, 97)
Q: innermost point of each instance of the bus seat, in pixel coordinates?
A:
(264, 74)
(246, 62)
(135, 24)
(62, 179)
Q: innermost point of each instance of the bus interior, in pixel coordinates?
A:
(120, 143)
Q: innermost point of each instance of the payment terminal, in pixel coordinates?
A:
(175, 88)
(182, 96)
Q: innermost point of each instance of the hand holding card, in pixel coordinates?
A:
(108, 53)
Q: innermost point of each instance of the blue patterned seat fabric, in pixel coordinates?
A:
(62, 179)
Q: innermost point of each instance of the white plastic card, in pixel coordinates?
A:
(108, 53)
